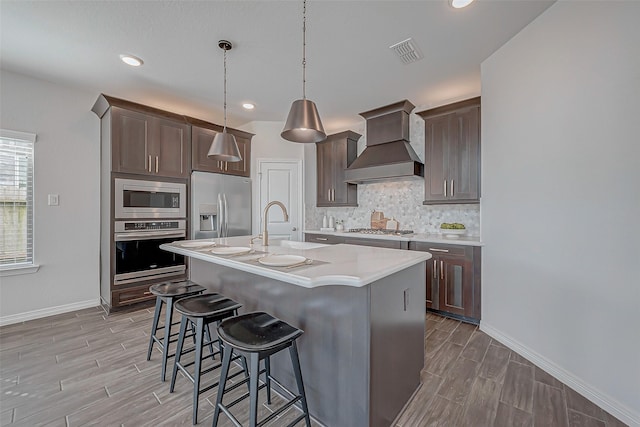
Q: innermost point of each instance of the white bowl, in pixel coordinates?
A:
(453, 232)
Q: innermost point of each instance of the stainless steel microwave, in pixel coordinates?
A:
(149, 199)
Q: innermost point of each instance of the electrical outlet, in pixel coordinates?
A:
(54, 200)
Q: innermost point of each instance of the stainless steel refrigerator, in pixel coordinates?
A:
(220, 205)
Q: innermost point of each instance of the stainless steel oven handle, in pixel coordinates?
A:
(125, 237)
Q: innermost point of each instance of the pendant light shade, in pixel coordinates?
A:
(303, 123)
(224, 146)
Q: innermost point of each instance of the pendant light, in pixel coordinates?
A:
(303, 123)
(224, 146)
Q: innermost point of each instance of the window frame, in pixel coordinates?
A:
(23, 267)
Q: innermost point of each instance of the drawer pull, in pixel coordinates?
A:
(439, 250)
(324, 239)
(147, 293)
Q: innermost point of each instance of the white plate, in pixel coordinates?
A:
(282, 260)
(197, 244)
(231, 250)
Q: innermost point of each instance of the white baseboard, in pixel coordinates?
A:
(49, 311)
(604, 401)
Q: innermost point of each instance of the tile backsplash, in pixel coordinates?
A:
(401, 200)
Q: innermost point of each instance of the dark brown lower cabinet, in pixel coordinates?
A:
(453, 280)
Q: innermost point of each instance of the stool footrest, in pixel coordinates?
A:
(280, 410)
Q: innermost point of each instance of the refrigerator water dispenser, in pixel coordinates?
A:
(208, 217)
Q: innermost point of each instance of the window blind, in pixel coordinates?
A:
(16, 198)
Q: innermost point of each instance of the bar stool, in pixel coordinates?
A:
(257, 336)
(167, 293)
(200, 311)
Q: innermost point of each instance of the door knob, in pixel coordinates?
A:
(294, 229)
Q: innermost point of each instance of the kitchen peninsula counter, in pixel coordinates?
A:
(362, 312)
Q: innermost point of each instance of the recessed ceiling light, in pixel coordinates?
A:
(134, 61)
(248, 106)
(459, 4)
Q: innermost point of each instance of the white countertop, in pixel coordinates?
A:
(346, 265)
(418, 237)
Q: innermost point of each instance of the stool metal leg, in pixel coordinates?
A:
(167, 336)
(226, 363)
(198, 364)
(293, 351)
(154, 327)
(267, 379)
(183, 330)
(254, 369)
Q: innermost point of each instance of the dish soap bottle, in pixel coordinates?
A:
(325, 222)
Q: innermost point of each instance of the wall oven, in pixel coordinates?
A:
(136, 198)
(138, 256)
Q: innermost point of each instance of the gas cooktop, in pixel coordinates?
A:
(379, 231)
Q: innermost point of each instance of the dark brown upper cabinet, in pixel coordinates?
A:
(452, 153)
(202, 134)
(144, 140)
(334, 155)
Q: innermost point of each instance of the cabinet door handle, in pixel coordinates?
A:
(147, 293)
(149, 163)
(226, 166)
(445, 188)
(322, 239)
(435, 269)
(452, 188)
(442, 270)
(329, 194)
(156, 164)
(439, 250)
(333, 194)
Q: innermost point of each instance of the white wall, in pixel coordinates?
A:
(268, 144)
(561, 198)
(66, 163)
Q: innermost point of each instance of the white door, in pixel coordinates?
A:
(281, 180)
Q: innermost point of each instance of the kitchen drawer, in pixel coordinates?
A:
(379, 243)
(438, 248)
(326, 239)
(131, 295)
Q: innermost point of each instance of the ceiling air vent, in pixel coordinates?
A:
(407, 51)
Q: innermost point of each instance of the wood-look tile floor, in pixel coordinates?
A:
(86, 368)
(470, 379)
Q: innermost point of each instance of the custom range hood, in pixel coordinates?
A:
(388, 155)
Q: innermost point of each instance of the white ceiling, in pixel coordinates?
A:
(350, 67)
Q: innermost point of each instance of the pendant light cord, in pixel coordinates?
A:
(304, 48)
(224, 129)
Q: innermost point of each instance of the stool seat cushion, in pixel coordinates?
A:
(257, 331)
(207, 305)
(174, 289)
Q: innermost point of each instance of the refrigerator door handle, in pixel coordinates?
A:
(219, 217)
(226, 218)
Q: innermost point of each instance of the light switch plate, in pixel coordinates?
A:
(54, 200)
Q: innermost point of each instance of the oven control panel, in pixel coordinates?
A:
(124, 226)
(161, 225)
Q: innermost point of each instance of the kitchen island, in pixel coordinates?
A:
(362, 310)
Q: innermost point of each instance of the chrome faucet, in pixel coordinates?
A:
(265, 234)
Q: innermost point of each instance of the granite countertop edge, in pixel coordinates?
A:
(417, 237)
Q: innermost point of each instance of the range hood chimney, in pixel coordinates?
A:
(388, 155)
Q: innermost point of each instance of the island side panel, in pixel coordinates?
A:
(334, 350)
(397, 341)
